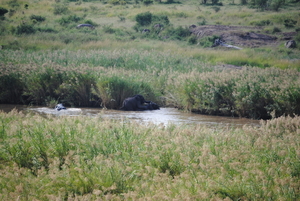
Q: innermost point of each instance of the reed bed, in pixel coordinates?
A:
(249, 92)
(104, 78)
(91, 158)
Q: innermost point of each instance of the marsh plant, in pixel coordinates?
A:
(106, 78)
(93, 158)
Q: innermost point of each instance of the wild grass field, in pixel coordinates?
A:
(90, 158)
(45, 60)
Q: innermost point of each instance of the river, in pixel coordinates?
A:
(163, 116)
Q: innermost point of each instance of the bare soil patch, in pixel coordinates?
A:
(242, 36)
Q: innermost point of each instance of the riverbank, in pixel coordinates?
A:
(105, 78)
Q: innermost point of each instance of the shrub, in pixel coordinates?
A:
(77, 90)
(47, 30)
(259, 4)
(160, 19)
(192, 40)
(11, 88)
(290, 23)
(216, 8)
(147, 2)
(178, 33)
(261, 23)
(69, 19)
(276, 4)
(3, 11)
(38, 18)
(254, 93)
(144, 19)
(60, 9)
(113, 90)
(108, 29)
(208, 41)
(276, 30)
(25, 29)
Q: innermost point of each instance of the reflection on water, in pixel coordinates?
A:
(162, 116)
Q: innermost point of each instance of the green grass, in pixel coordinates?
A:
(94, 158)
(83, 78)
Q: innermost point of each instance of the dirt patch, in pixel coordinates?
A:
(242, 36)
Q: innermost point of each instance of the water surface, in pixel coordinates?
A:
(162, 116)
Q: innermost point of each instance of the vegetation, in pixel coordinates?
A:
(146, 47)
(90, 158)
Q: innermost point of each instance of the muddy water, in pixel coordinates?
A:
(162, 116)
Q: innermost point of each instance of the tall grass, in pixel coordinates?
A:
(107, 77)
(93, 158)
(250, 92)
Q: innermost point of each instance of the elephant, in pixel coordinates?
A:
(138, 103)
(59, 107)
(152, 106)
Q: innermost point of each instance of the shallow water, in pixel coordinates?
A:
(163, 116)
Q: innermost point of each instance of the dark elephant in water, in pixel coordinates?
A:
(59, 107)
(138, 103)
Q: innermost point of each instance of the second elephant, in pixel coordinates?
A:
(138, 103)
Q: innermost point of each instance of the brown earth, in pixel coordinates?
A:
(242, 36)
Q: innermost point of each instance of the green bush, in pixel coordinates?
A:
(277, 4)
(38, 18)
(207, 41)
(3, 11)
(147, 2)
(143, 19)
(276, 30)
(290, 23)
(11, 88)
(192, 40)
(60, 9)
(261, 23)
(47, 30)
(254, 93)
(113, 90)
(25, 29)
(179, 33)
(69, 19)
(77, 89)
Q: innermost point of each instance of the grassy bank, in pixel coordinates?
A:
(105, 78)
(93, 158)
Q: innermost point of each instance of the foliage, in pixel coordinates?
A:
(60, 9)
(261, 23)
(11, 88)
(179, 33)
(253, 93)
(148, 20)
(147, 2)
(25, 29)
(207, 41)
(38, 18)
(69, 19)
(3, 11)
(290, 23)
(180, 80)
(192, 40)
(143, 19)
(92, 158)
(113, 90)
